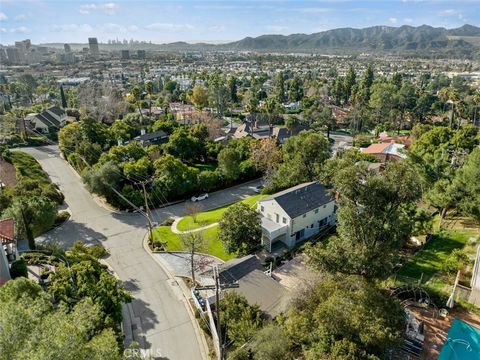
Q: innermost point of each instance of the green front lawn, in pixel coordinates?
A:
(212, 216)
(212, 246)
(430, 259)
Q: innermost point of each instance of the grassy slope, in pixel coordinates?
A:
(213, 246)
(29, 168)
(212, 216)
(429, 260)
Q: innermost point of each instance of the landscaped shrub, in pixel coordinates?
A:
(18, 268)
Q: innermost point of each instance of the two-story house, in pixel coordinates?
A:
(48, 120)
(296, 214)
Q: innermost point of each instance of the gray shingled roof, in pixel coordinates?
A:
(47, 119)
(257, 287)
(302, 198)
(153, 135)
(57, 111)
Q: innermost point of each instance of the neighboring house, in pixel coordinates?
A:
(156, 137)
(295, 214)
(257, 287)
(292, 106)
(48, 120)
(399, 139)
(259, 130)
(8, 252)
(386, 151)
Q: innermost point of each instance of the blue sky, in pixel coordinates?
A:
(215, 21)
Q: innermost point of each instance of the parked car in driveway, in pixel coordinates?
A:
(258, 189)
(199, 197)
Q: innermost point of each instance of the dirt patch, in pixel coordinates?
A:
(436, 327)
(7, 173)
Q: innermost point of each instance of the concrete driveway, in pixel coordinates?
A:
(166, 330)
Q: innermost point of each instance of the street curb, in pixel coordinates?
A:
(198, 332)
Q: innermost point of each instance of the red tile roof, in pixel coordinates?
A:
(7, 227)
(375, 149)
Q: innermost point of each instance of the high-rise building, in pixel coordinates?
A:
(13, 55)
(93, 46)
(24, 44)
(141, 54)
(67, 48)
(125, 54)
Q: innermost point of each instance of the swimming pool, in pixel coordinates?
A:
(463, 342)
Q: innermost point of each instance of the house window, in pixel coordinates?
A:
(304, 215)
(316, 211)
(311, 226)
(299, 234)
(262, 209)
(277, 218)
(324, 206)
(322, 222)
(284, 220)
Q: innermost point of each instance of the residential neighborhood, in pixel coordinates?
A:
(240, 180)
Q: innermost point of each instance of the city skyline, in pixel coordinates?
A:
(215, 21)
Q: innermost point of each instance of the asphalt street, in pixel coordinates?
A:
(166, 329)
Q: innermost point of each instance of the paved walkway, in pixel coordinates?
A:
(176, 231)
(178, 263)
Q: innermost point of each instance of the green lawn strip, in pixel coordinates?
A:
(212, 216)
(27, 167)
(430, 259)
(213, 245)
(205, 167)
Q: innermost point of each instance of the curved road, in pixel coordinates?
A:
(166, 330)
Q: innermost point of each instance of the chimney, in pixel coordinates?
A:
(142, 132)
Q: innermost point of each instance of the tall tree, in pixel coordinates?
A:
(373, 220)
(240, 230)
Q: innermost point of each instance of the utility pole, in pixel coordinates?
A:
(217, 311)
(147, 209)
(218, 287)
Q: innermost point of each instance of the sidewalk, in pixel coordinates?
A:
(176, 231)
(186, 293)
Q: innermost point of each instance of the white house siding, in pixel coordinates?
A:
(325, 211)
(270, 210)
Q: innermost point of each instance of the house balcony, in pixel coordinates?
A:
(272, 232)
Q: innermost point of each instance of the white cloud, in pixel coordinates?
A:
(449, 12)
(72, 28)
(276, 28)
(315, 10)
(3, 16)
(408, 20)
(217, 28)
(20, 30)
(21, 17)
(393, 20)
(109, 8)
(3, 30)
(170, 27)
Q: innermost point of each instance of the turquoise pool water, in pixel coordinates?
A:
(463, 342)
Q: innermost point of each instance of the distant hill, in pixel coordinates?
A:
(382, 38)
(422, 40)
